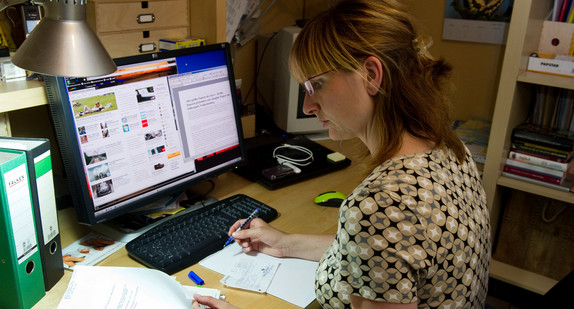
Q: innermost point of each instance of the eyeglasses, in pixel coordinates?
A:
(310, 86)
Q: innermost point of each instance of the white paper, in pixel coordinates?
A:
(123, 288)
(21, 215)
(215, 293)
(236, 9)
(293, 282)
(47, 201)
(251, 274)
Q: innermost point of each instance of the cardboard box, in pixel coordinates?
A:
(248, 124)
(171, 44)
(556, 38)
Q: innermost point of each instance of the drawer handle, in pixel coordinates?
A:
(145, 18)
(147, 47)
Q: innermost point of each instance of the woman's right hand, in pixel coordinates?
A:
(260, 236)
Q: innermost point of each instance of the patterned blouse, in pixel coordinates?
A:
(416, 230)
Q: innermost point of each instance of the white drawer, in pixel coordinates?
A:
(131, 43)
(105, 16)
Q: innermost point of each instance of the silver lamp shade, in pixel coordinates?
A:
(63, 44)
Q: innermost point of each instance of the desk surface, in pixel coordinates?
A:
(297, 214)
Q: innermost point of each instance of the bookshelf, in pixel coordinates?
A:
(21, 94)
(511, 109)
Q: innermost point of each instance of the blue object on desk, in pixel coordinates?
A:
(195, 278)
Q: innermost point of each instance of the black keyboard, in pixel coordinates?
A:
(185, 239)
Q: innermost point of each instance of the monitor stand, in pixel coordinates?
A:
(131, 225)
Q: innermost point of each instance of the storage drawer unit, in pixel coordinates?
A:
(132, 27)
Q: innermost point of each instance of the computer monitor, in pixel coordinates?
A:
(278, 90)
(161, 123)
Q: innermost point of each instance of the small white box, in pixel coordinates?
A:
(558, 65)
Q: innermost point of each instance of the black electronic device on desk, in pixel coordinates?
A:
(160, 124)
(186, 239)
(279, 161)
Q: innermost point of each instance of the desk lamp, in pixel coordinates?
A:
(62, 43)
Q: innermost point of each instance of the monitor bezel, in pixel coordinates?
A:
(63, 120)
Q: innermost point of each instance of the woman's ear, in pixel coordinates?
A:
(374, 69)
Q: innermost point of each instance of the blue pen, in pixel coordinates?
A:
(251, 216)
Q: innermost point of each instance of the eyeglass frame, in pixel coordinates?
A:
(307, 83)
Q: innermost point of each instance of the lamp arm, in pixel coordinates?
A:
(6, 3)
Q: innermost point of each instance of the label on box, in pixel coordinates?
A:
(171, 44)
(551, 66)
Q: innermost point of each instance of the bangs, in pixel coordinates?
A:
(318, 49)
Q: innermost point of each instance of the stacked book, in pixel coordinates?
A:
(474, 133)
(540, 157)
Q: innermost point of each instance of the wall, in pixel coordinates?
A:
(283, 13)
(476, 65)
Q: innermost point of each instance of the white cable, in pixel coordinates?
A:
(282, 159)
(287, 163)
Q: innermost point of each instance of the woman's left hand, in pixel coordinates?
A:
(211, 302)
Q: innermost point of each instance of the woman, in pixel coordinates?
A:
(415, 232)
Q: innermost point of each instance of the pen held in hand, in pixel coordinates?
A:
(251, 216)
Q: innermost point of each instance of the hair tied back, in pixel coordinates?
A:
(422, 44)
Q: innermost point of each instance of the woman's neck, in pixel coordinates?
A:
(411, 144)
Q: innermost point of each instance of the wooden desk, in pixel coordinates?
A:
(297, 214)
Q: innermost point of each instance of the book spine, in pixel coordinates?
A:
(532, 174)
(21, 266)
(537, 182)
(534, 168)
(563, 11)
(525, 136)
(537, 161)
(556, 9)
(570, 15)
(560, 156)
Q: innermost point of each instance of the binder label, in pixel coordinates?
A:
(21, 215)
(46, 197)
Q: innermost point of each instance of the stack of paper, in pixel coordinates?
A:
(127, 287)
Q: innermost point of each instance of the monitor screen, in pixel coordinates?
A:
(161, 123)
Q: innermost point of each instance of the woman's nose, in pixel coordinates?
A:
(310, 107)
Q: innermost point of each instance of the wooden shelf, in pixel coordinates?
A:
(21, 94)
(548, 192)
(546, 79)
(521, 278)
(511, 109)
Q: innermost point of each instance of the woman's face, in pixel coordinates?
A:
(341, 102)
